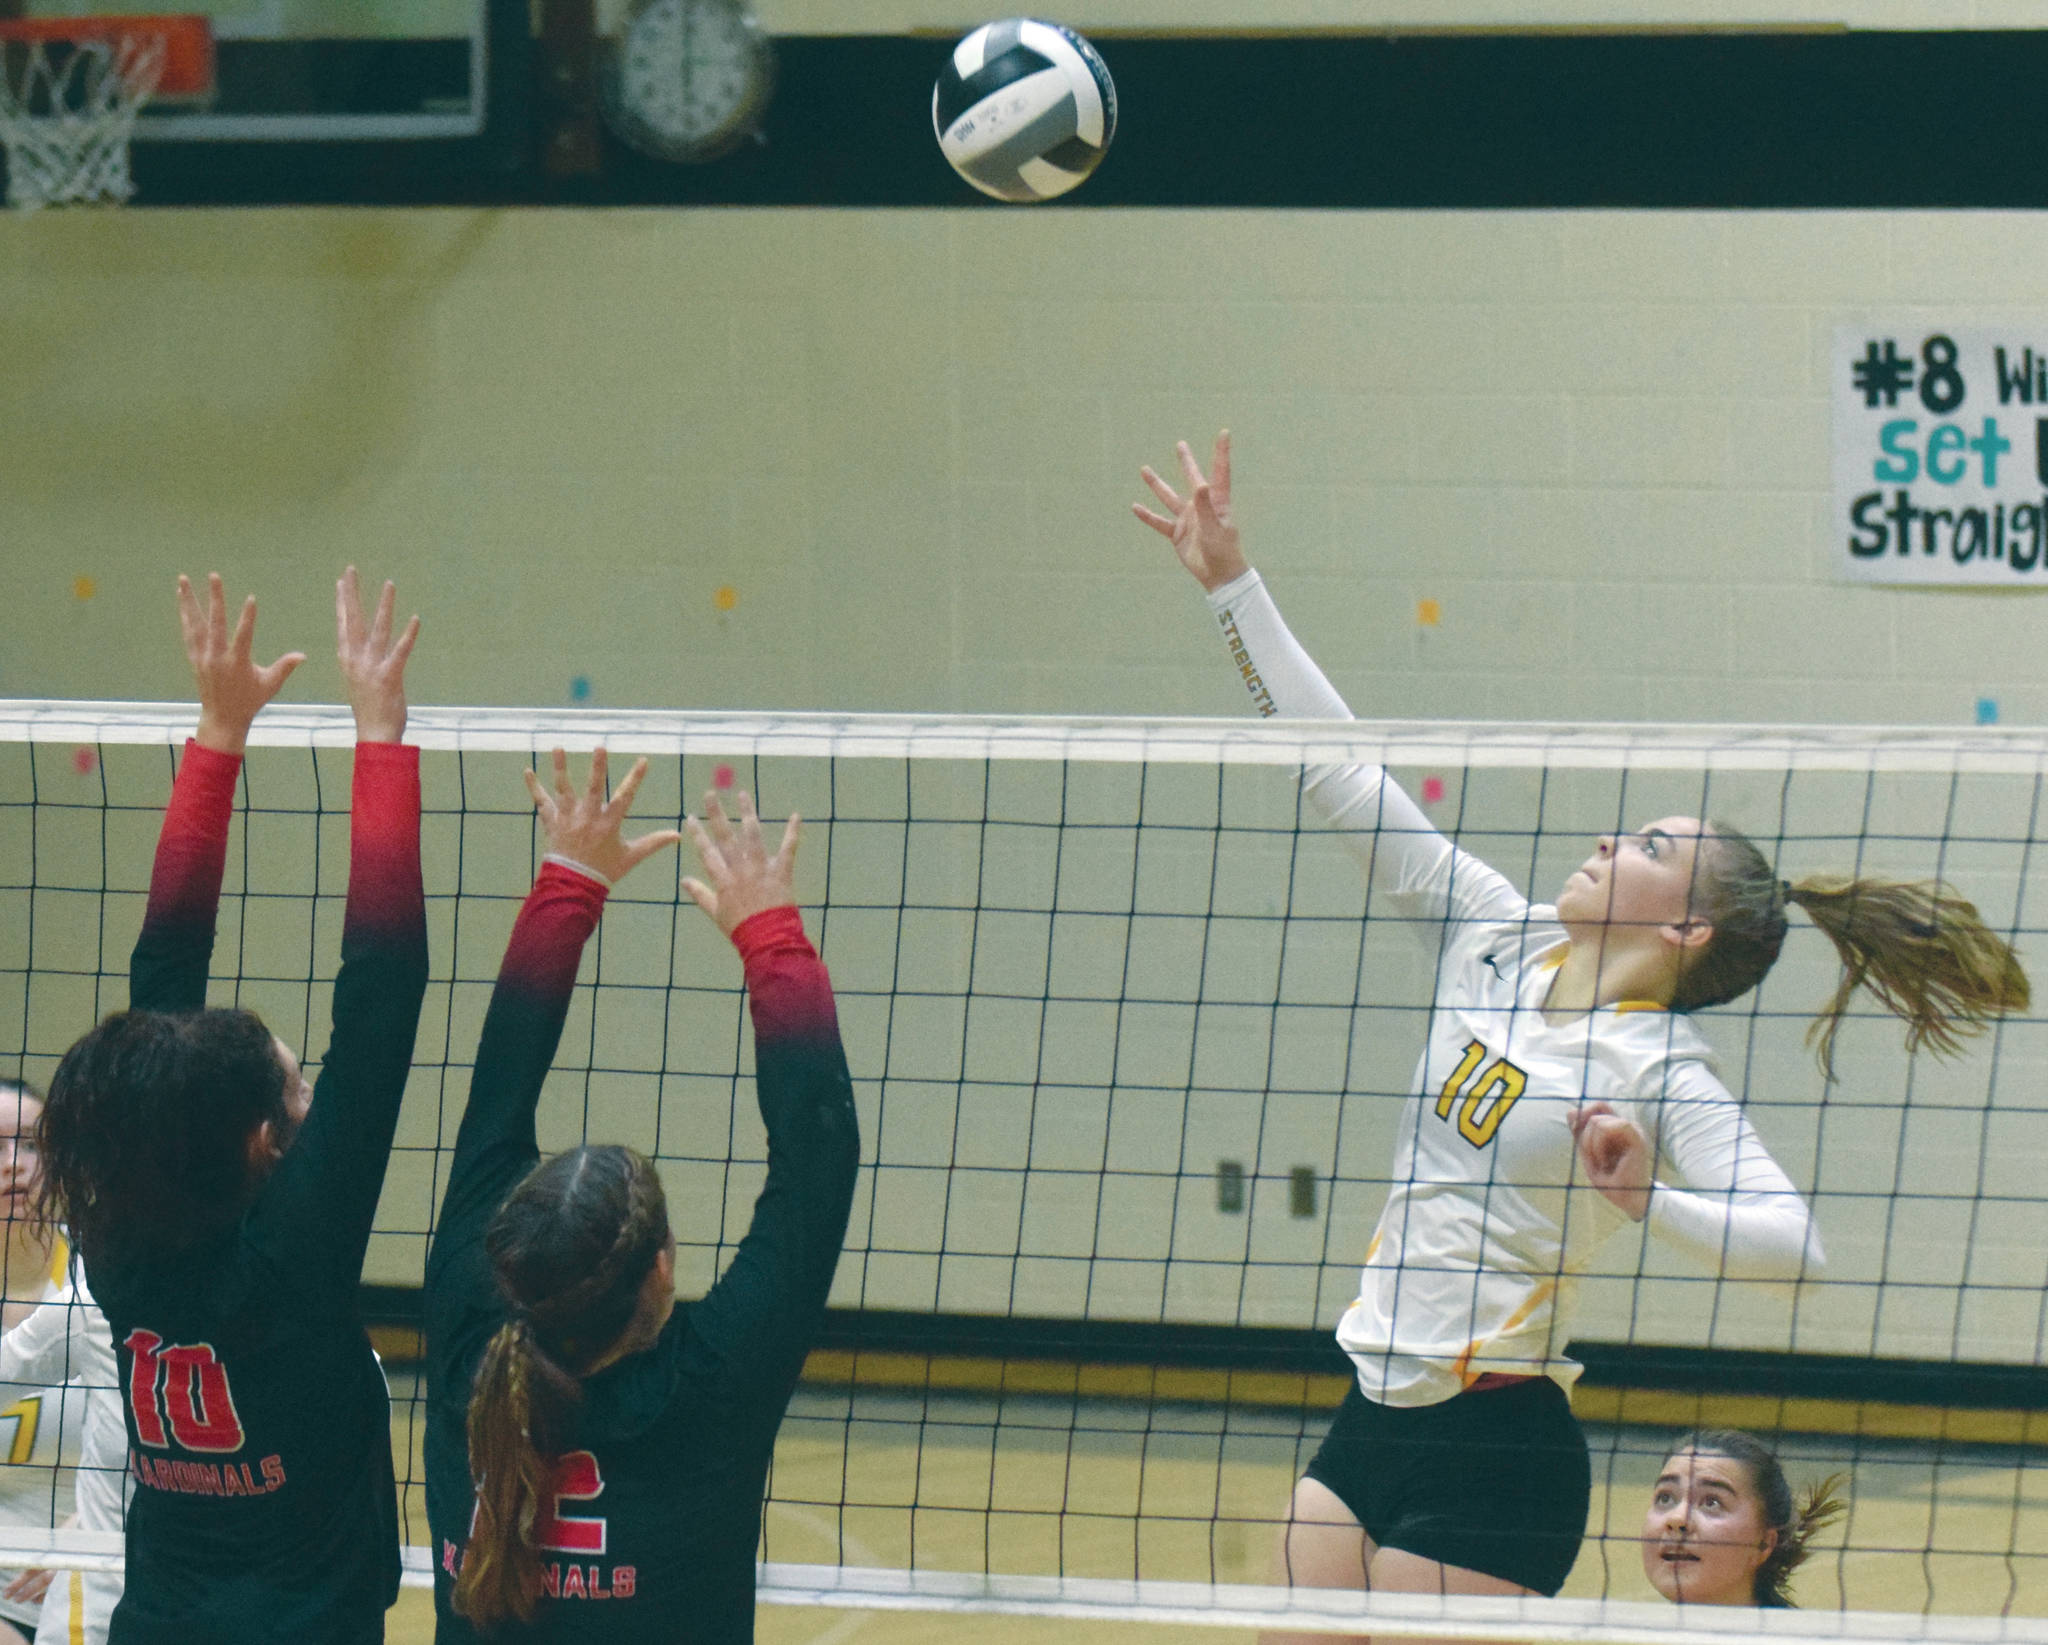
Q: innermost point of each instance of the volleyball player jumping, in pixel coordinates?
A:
(222, 1207)
(596, 1456)
(1560, 1065)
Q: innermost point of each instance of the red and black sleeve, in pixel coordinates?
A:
(168, 969)
(496, 1145)
(761, 1316)
(318, 1205)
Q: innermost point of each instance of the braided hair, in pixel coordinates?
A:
(571, 1248)
(1919, 946)
(1797, 1521)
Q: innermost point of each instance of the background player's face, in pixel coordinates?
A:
(298, 1098)
(20, 1165)
(1704, 1535)
(1641, 881)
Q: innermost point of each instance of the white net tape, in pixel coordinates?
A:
(67, 110)
(1093, 739)
(1337, 1613)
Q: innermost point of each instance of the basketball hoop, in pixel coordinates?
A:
(70, 89)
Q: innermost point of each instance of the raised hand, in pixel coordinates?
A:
(585, 827)
(233, 686)
(1616, 1156)
(745, 879)
(372, 663)
(1199, 525)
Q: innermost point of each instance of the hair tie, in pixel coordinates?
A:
(1784, 890)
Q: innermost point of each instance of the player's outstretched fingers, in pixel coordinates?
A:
(750, 828)
(245, 631)
(1160, 489)
(785, 855)
(709, 851)
(636, 852)
(216, 611)
(348, 611)
(629, 785)
(717, 824)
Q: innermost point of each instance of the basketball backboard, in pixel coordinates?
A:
(298, 71)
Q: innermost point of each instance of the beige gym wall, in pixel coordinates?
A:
(908, 441)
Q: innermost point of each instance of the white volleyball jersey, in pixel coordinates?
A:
(1489, 1220)
(67, 1442)
(41, 1428)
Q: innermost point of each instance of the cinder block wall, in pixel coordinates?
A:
(906, 443)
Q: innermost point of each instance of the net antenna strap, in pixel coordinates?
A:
(70, 91)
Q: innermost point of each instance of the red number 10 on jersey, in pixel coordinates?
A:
(195, 1401)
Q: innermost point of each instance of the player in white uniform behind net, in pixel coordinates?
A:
(1560, 1066)
(60, 1405)
(64, 1352)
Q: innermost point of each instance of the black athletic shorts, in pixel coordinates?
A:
(1497, 1481)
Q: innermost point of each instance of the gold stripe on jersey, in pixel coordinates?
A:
(1462, 1370)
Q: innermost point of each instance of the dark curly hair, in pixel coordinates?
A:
(571, 1247)
(144, 1135)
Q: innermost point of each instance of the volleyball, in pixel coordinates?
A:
(1024, 110)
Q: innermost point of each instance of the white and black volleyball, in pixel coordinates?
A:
(1024, 110)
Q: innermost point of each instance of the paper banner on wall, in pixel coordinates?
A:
(1941, 454)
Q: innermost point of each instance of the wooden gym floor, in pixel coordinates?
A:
(1190, 1491)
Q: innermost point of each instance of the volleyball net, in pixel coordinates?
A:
(1130, 1042)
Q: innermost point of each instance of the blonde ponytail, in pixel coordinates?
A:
(1919, 946)
(1922, 949)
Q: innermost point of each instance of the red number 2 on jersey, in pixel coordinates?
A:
(576, 1480)
(196, 1401)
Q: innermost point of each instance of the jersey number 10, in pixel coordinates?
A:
(1488, 1094)
(196, 1403)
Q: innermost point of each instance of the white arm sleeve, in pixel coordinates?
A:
(1408, 861)
(49, 1348)
(1738, 1213)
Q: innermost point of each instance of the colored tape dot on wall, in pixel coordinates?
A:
(726, 597)
(83, 588)
(1432, 790)
(722, 777)
(1987, 711)
(1428, 613)
(579, 688)
(84, 761)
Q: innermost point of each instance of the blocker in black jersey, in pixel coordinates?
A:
(259, 1426)
(657, 1511)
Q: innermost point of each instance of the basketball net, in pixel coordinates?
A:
(67, 111)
